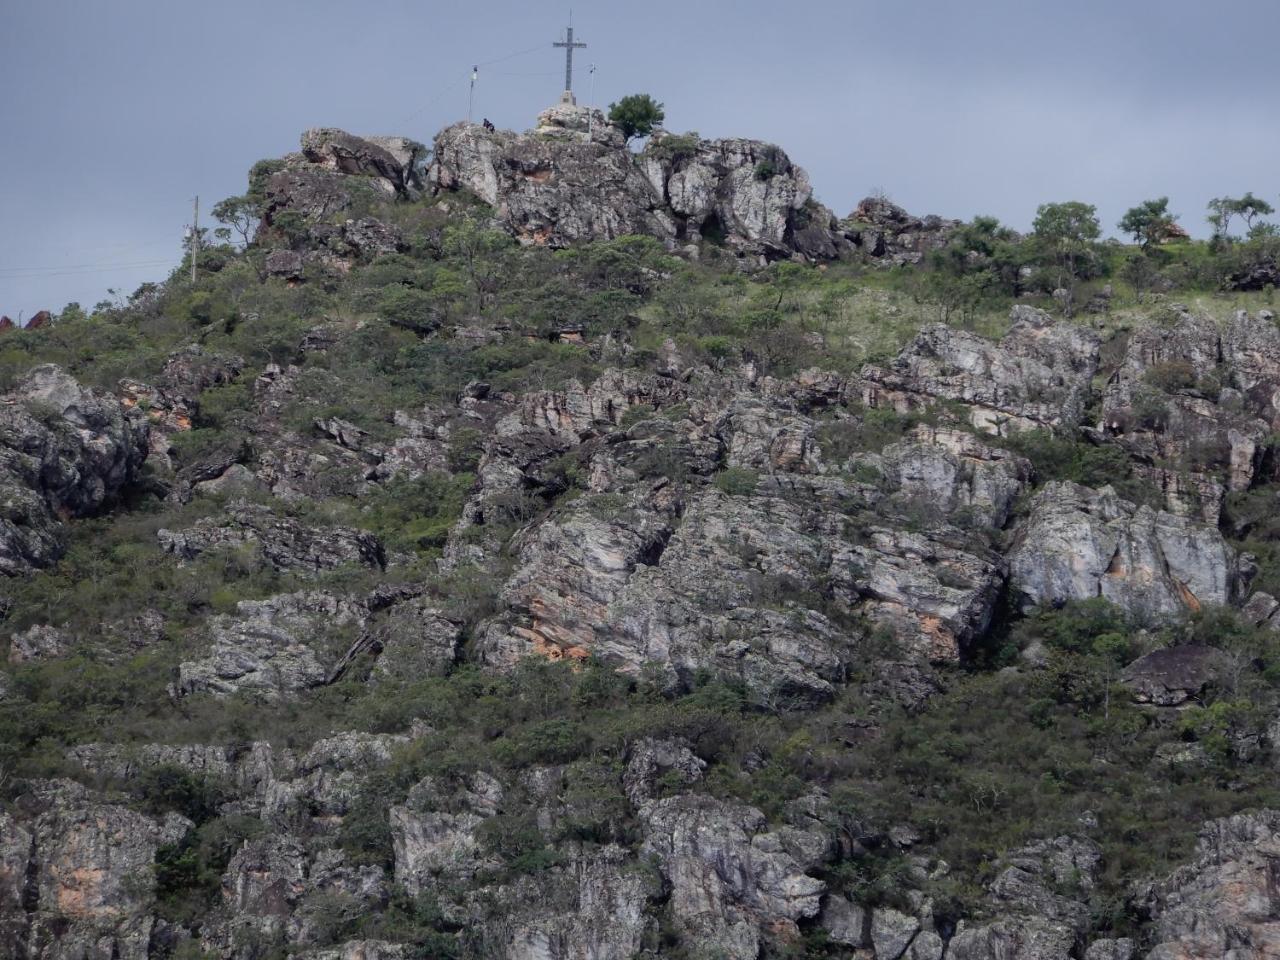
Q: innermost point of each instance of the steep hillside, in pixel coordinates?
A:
(527, 548)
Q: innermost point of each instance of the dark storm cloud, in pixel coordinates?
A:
(115, 114)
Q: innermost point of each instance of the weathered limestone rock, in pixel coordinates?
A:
(559, 185)
(847, 924)
(1041, 894)
(763, 437)
(415, 640)
(1173, 407)
(952, 473)
(572, 569)
(933, 595)
(748, 192)
(41, 642)
(1050, 879)
(569, 121)
(1118, 949)
(324, 781)
(285, 264)
(1079, 543)
(1224, 904)
(1251, 354)
(274, 886)
(731, 878)
(90, 873)
(282, 542)
(266, 877)
(883, 230)
(274, 647)
(892, 932)
(580, 412)
(650, 760)
(706, 603)
(390, 162)
(434, 832)
(15, 857)
(361, 950)
(1037, 376)
(597, 905)
(1021, 938)
(65, 451)
(549, 191)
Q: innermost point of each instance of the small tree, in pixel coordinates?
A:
(1066, 232)
(1150, 222)
(240, 214)
(1221, 210)
(637, 114)
(1250, 208)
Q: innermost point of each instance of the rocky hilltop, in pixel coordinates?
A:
(480, 563)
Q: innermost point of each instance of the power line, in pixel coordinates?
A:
(42, 272)
(443, 91)
(512, 56)
(77, 266)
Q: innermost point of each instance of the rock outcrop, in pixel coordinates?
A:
(273, 648)
(885, 231)
(1079, 543)
(280, 542)
(732, 879)
(1037, 376)
(1225, 904)
(76, 874)
(65, 451)
(561, 184)
(1194, 404)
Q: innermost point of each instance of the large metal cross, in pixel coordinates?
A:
(568, 45)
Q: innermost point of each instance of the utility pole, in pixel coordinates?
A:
(591, 103)
(471, 97)
(195, 236)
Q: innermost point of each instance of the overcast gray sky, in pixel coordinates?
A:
(114, 114)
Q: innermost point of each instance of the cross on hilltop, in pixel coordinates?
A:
(568, 44)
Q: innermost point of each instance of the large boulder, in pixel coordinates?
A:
(391, 162)
(746, 192)
(550, 192)
(1078, 543)
(1173, 676)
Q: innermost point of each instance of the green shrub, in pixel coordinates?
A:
(1171, 376)
(737, 481)
(167, 787)
(414, 310)
(1061, 458)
